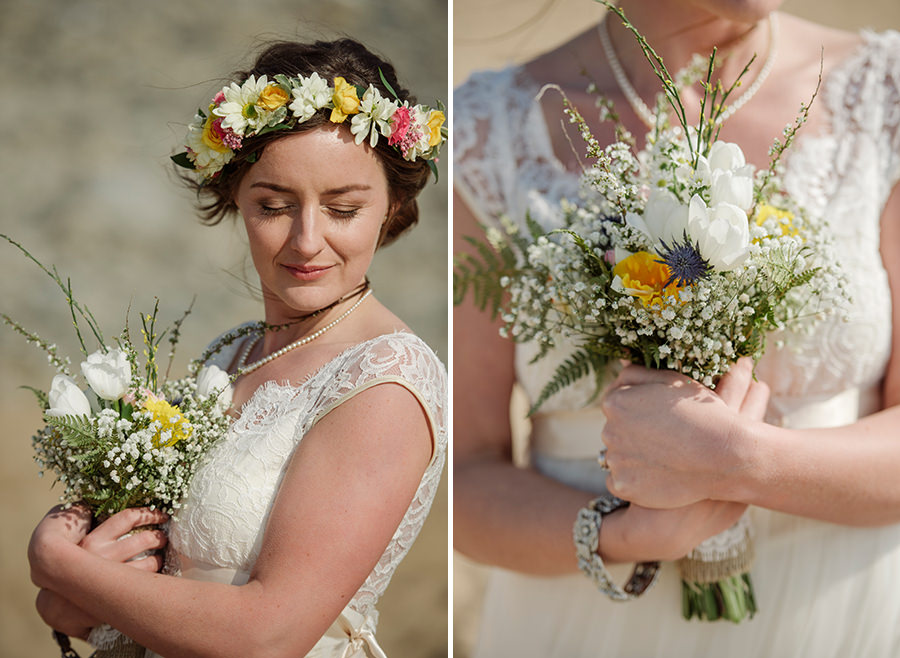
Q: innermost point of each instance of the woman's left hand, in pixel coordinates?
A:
(671, 441)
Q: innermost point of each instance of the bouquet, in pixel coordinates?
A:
(126, 436)
(681, 256)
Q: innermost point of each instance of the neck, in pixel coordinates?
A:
(286, 328)
(677, 31)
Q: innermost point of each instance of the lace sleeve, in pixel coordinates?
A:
(481, 144)
(864, 101)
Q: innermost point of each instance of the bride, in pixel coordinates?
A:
(824, 502)
(297, 519)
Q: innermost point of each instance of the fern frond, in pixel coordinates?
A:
(592, 358)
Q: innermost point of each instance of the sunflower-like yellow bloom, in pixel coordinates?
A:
(345, 100)
(641, 276)
(173, 425)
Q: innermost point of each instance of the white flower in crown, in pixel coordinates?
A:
(310, 96)
(374, 117)
(239, 109)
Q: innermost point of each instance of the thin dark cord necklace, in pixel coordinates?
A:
(243, 369)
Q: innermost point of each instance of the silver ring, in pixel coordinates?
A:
(601, 459)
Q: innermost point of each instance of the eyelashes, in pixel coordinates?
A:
(336, 213)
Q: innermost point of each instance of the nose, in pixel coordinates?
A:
(307, 233)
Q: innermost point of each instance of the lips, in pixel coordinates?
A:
(307, 272)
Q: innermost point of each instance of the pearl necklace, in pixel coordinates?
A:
(640, 107)
(245, 369)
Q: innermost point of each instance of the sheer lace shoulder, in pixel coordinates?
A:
(224, 515)
(863, 96)
(503, 158)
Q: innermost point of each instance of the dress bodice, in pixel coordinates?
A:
(223, 517)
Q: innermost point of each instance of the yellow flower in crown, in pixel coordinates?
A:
(784, 218)
(641, 275)
(173, 426)
(435, 120)
(345, 100)
(273, 97)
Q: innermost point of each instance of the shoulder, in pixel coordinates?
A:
(398, 354)
(863, 89)
(399, 368)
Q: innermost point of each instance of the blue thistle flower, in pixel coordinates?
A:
(684, 262)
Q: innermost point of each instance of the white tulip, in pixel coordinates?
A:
(732, 186)
(665, 217)
(212, 379)
(721, 233)
(66, 399)
(108, 375)
(726, 155)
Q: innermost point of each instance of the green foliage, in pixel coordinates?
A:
(592, 358)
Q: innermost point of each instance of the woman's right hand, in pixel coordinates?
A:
(61, 614)
(644, 534)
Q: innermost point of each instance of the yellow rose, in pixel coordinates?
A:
(644, 277)
(212, 135)
(272, 97)
(345, 100)
(435, 121)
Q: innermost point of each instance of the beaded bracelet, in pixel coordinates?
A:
(586, 534)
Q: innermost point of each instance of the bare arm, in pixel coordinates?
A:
(325, 534)
(844, 475)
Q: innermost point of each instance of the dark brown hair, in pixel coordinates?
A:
(358, 66)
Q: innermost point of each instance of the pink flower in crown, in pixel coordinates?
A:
(400, 124)
(218, 98)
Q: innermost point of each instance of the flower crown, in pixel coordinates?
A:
(259, 106)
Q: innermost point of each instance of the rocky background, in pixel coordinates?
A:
(96, 96)
(489, 34)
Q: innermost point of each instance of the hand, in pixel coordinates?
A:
(647, 535)
(64, 616)
(72, 526)
(111, 539)
(671, 441)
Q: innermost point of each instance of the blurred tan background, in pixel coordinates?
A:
(96, 96)
(491, 34)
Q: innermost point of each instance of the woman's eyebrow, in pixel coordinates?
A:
(275, 187)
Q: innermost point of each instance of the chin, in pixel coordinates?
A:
(744, 11)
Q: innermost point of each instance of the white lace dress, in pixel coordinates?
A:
(218, 533)
(823, 590)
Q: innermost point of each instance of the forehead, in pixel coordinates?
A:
(324, 155)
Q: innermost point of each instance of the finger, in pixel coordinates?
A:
(756, 401)
(152, 563)
(77, 517)
(129, 546)
(127, 520)
(734, 384)
(634, 375)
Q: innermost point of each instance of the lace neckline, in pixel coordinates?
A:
(859, 51)
(273, 384)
